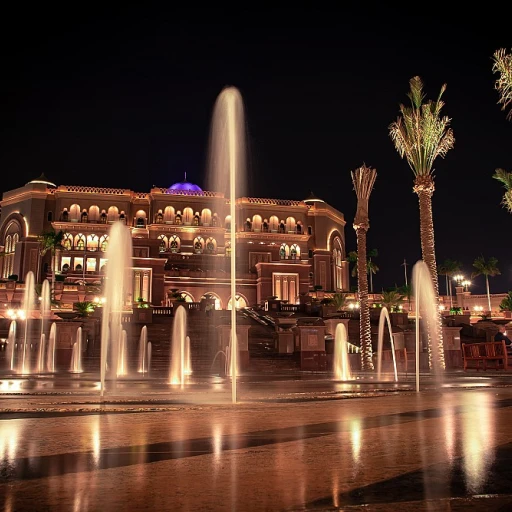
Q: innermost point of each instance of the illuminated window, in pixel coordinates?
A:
(198, 244)
(162, 247)
(67, 242)
(240, 302)
(295, 252)
(337, 264)
(284, 252)
(104, 243)
(174, 243)
(211, 245)
(80, 242)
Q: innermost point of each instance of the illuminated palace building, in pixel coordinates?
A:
(180, 242)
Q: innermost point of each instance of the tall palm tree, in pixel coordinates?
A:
(51, 241)
(505, 178)
(488, 269)
(420, 135)
(503, 65)
(448, 269)
(363, 179)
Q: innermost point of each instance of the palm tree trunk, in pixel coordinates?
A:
(451, 293)
(424, 187)
(364, 309)
(488, 293)
(371, 280)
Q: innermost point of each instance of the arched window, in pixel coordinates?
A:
(94, 214)
(295, 252)
(113, 214)
(214, 296)
(64, 215)
(178, 219)
(299, 228)
(67, 241)
(103, 217)
(196, 219)
(282, 227)
(240, 302)
(92, 242)
(337, 257)
(290, 225)
(162, 247)
(274, 224)
(256, 223)
(104, 243)
(49, 216)
(174, 243)
(227, 222)
(140, 219)
(169, 215)
(206, 217)
(74, 213)
(198, 244)
(187, 296)
(284, 252)
(265, 226)
(80, 242)
(248, 225)
(159, 217)
(84, 217)
(122, 217)
(211, 245)
(188, 215)
(10, 248)
(215, 220)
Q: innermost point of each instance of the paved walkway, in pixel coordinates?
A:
(288, 445)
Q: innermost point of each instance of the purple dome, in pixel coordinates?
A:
(184, 186)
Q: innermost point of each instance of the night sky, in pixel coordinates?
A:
(123, 98)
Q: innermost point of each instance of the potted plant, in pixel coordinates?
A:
(84, 308)
(506, 306)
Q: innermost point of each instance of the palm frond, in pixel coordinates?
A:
(421, 134)
(505, 177)
(363, 179)
(503, 65)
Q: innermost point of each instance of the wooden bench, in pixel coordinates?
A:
(479, 355)
(402, 361)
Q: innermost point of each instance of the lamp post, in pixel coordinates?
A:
(466, 284)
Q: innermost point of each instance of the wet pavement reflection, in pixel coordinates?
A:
(389, 451)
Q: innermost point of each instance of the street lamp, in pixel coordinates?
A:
(466, 283)
(458, 278)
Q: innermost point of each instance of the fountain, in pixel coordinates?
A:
(188, 363)
(426, 306)
(179, 352)
(76, 356)
(122, 360)
(227, 166)
(40, 354)
(50, 354)
(28, 307)
(384, 316)
(118, 287)
(143, 364)
(46, 304)
(341, 362)
(11, 343)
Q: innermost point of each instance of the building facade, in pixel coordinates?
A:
(180, 241)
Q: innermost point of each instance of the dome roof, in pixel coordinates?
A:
(313, 199)
(184, 186)
(44, 180)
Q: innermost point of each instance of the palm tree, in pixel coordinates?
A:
(505, 178)
(371, 267)
(391, 299)
(448, 269)
(406, 291)
(503, 66)
(488, 269)
(420, 135)
(51, 241)
(363, 179)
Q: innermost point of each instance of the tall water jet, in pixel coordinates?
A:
(427, 308)
(341, 364)
(227, 167)
(178, 349)
(118, 287)
(187, 360)
(41, 353)
(50, 354)
(46, 304)
(76, 355)
(384, 316)
(11, 343)
(122, 360)
(143, 351)
(27, 308)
